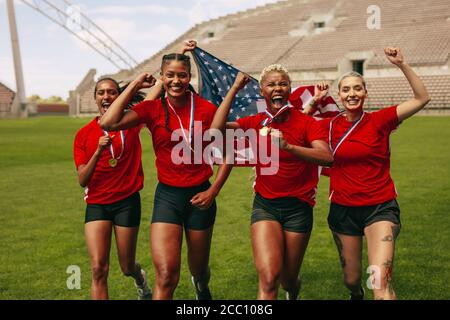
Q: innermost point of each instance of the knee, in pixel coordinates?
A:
(268, 280)
(100, 272)
(352, 280)
(167, 277)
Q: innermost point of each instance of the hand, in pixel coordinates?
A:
(145, 81)
(104, 142)
(277, 134)
(241, 81)
(204, 200)
(188, 45)
(320, 91)
(394, 55)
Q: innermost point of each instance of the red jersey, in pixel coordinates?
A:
(295, 177)
(360, 175)
(108, 184)
(169, 172)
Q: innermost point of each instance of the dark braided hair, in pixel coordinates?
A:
(165, 60)
(138, 97)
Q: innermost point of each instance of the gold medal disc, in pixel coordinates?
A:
(113, 163)
(264, 131)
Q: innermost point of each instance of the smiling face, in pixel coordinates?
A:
(106, 91)
(275, 88)
(352, 92)
(175, 76)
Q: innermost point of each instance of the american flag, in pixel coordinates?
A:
(216, 79)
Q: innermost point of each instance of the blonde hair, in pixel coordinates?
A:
(273, 67)
(352, 74)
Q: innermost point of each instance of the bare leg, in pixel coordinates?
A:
(381, 237)
(98, 240)
(350, 255)
(126, 241)
(295, 248)
(199, 245)
(268, 253)
(166, 242)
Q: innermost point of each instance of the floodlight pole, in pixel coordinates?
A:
(20, 84)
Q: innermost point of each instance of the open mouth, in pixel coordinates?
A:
(278, 101)
(105, 106)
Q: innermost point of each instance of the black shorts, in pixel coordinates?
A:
(123, 213)
(293, 214)
(172, 205)
(352, 220)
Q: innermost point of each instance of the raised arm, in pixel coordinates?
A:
(220, 118)
(115, 118)
(320, 92)
(421, 96)
(154, 94)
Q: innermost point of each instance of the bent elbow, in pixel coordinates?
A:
(104, 125)
(329, 161)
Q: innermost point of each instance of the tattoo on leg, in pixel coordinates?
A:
(339, 247)
(395, 231)
(388, 275)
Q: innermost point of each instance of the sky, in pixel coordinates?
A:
(55, 61)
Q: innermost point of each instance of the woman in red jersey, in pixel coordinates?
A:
(362, 193)
(184, 198)
(109, 167)
(282, 218)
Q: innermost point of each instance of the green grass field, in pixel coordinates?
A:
(42, 215)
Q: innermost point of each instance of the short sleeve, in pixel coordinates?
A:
(386, 119)
(246, 123)
(79, 150)
(143, 110)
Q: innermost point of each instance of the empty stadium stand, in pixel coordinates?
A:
(319, 40)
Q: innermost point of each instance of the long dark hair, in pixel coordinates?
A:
(120, 86)
(165, 60)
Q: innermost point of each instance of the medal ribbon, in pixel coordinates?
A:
(346, 134)
(271, 118)
(111, 149)
(191, 121)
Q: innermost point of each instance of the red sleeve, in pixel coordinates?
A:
(79, 149)
(316, 130)
(386, 119)
(143, 110)
(248, 122)
(209, 107)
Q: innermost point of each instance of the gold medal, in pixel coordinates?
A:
(264, 131)
(113, 163)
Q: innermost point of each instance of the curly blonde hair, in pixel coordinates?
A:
(273, 67)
